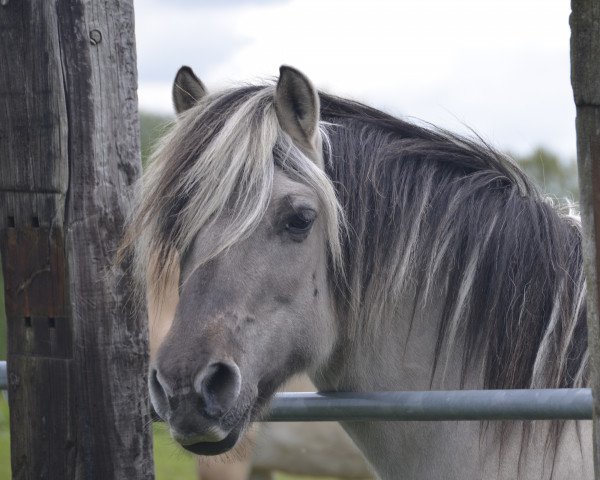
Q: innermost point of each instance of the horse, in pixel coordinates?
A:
(322, 449)
(322, 235)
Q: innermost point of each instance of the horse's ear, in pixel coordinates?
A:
(297, 107)
(187, 89)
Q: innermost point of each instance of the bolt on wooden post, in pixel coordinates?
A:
(69, 152)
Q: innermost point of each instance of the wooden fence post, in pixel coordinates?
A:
(69, 151)
(585, 79)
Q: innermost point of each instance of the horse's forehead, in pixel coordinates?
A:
(284, 186)
(285, 191)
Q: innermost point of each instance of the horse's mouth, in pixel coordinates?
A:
(216, 448)
(226, 444)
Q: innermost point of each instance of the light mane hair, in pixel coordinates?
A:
(218, 162)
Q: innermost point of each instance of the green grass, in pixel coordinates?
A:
(4, 440)
(170, 460)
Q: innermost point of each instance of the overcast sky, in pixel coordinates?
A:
(500, 67)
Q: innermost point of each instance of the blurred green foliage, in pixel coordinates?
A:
(554, 176)
(152, 128)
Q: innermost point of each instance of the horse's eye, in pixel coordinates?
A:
(300, 222)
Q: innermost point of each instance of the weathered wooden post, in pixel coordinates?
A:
(68, 153)
(585, 79)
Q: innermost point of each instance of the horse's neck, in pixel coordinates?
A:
(400, 356)
(397, 354)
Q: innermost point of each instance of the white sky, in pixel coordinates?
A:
(499, 66)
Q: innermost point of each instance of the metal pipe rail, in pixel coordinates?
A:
(545, 404)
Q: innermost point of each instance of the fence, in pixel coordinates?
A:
(548, 404)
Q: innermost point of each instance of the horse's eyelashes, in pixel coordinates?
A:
(300, 222)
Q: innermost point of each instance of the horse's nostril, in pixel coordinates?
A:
(221, 379)
(158, 394)
(154, 382)
(220, 385)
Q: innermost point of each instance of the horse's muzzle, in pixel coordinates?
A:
(202, 412)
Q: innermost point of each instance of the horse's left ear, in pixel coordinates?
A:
(297, 107)
(187, 89)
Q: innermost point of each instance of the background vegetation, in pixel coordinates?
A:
(556, 177)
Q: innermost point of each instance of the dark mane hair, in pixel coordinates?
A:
(456, 219)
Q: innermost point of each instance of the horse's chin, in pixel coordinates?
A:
(216, 448)
(224, 445)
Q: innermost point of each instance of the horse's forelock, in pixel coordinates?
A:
(219, 155)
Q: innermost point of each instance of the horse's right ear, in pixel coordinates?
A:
(187, 89)
(297, 108)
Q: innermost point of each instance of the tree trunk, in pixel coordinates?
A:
(69, 152)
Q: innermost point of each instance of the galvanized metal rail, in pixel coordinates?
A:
(546, 404)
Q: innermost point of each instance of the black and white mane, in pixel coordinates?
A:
(459, 220)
